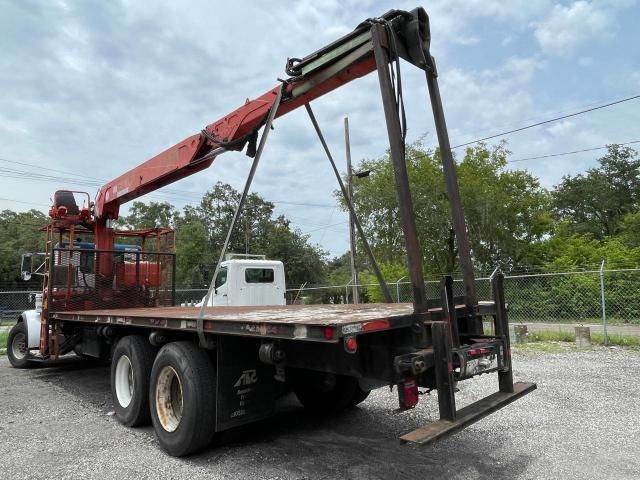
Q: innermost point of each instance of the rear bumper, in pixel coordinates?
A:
(468, 415)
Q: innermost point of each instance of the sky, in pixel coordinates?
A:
(90, 89)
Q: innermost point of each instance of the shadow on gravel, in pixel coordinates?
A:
(359, 444)
(84, 378)
(356, 445)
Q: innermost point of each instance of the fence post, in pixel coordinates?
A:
(398, 288)
(604, 310)
(491, 277)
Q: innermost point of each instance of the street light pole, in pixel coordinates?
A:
(352, 233)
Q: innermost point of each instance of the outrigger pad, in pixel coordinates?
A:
(468, 415)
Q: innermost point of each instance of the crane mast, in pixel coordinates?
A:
(335, 65)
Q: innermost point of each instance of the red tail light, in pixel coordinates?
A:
(408, 394)
(351, 344)
(328, 333)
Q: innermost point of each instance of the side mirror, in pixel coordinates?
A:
(26, 266)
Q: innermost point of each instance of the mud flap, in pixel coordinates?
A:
(246, 388)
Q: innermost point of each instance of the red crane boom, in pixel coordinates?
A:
(335, 65)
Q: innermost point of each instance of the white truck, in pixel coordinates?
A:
(248, 280)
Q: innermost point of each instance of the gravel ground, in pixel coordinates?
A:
(583, 422)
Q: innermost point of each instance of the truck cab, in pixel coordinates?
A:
(248, 280)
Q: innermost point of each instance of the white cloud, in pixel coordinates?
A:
(561, 128)
(488, 99)
(567, 27)
(97, 88)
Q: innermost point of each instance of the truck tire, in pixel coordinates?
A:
(326, 393)
(18, 347)
(182, 398)
(359, 396)
(130, 372)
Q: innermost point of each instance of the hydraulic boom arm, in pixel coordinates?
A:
(336, 64)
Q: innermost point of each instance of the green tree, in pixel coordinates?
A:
(630, 229)
(194, 257)
(201, 231)
(19, 233)
(151, 215)
(303, 261)
(506, 210)
(597, 202)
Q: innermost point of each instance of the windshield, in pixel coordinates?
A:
(221, 278)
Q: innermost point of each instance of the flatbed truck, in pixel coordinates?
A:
(195, 371)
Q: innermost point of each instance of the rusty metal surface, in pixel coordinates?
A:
(468, 415)
(287, 314)
(397, 148)
(453, 191)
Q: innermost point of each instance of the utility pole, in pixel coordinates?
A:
(352, 233)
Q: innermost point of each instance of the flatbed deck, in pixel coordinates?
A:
(304, 322)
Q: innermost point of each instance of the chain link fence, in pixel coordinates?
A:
(371, 293)
(591, 296)
(582, 297)
(13, 302)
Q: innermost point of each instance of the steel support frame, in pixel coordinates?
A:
(443, 364)
(449, 308)
(453, 192)
(397, 147)
(444, 334)
(505, 376)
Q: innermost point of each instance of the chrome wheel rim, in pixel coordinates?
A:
(124, 381)
(19, 346)
(169, 399)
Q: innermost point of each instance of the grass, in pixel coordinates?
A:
(596, 338)
(561, 342)
(616, 339)
(3, 340)
(545, 347)
(572, 320)
(551, 336)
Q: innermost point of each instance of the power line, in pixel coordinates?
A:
(26, 203)
(325, 227)
(551, 120)
(535, 118)
(40, 167)
(571, 153)
(93, 182)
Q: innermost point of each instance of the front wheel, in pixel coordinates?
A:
(18, 347)
(182, 398)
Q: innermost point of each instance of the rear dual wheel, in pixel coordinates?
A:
(131, 365)
(182, 398)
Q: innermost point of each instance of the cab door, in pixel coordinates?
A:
(220, 295)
